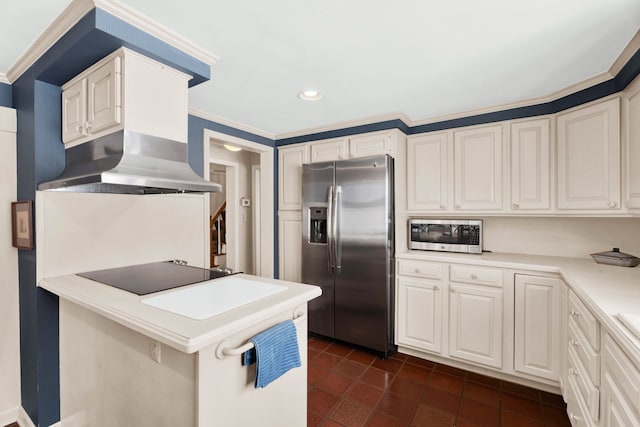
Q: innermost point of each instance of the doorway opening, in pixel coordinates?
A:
(240, 219)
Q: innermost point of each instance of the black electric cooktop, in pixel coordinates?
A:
(145, 279)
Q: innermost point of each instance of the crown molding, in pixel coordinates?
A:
(78, 8)
(231, 123)
(630, 49)
(67, 19)
(4, 79)
(146, 24)
(348, 124)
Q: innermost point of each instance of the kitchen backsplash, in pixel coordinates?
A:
(569, 237)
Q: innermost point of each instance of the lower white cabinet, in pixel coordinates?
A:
(420, 314)
(290, 245)
(620, 404)
(476, 323)
(537, 331)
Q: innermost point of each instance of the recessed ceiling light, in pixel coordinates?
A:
(310, 95)
(232, 147)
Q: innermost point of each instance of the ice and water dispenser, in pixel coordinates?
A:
(317, 224)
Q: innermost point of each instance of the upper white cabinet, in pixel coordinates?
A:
(427, 171)
(290, 161)
(589, 157)
(632, 146)
(530, 166)
(372, 144)
(478, 168)
(537, 321)
(125, 90)
(329, 150)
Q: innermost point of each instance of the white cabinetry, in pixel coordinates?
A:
(328, 150)
(632, 147)
(476, 315)
(620, 387)
(290, 245)
(537, 331)
(420, 304)
(583, 364)
(589, 157)
(125, 90)
(290, 161)
(478, 168)
(372, 144)
(530, 166)
(427, 172)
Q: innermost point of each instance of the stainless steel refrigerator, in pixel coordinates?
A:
(348, 249)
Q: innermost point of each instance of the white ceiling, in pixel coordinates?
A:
(423, 58)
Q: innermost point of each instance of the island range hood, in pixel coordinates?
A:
(127, 162)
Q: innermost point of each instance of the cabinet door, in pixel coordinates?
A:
(325, 151)
(427, 160)
(537, 330)
(105, 96)
(420, 314)
(478, 169)
(530, 165)
(475, 324)
(589, 157)
(74, 111)
(616, 412)
(290, 161)
(632, 156)
(372, 145)
(290, 245)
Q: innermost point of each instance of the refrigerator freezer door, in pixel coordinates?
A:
(317, 179)
(363, 283)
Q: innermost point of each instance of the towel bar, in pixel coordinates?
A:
(224, 350)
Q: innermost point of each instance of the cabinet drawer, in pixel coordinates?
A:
(623, 371)
(577, 413)
(585, 388)
(424, 269)
(589, 358)
(586, 322)
(476, 275)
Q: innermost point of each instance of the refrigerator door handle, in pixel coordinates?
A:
(330, 235)
(337, 258)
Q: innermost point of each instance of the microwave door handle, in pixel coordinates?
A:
(330, 236)
(337, 255)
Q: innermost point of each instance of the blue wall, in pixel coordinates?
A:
(6, 95)
(36, 96)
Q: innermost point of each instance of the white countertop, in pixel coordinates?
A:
(180, 332)
(606, 289)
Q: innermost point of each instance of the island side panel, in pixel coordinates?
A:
(226, 392)
(107, 376)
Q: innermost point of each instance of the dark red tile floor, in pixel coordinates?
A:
(349, 387)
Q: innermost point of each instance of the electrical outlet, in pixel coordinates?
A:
(155, 351)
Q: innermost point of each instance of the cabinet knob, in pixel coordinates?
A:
(573, 372)
(457, 206)
(611, 204)
(417, 270)
(574, 343)
(443, 207)
(474, 277)
(436, 288)
(515, 206)
(452, 290)
(573, 417)
(78, 128)
(574, 313)
(88, 125)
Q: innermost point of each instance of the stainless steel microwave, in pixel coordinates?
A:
(447, 235)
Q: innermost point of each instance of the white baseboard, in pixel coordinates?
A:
(8, 417)
(24, 420)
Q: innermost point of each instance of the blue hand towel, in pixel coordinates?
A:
(276, 352)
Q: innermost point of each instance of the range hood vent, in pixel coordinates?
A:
(127, 162)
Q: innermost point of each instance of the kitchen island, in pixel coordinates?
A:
(125, 362)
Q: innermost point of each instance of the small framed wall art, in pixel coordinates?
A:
(22, 224)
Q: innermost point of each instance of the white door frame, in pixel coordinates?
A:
(266, 239)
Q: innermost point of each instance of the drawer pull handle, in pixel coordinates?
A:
(574, 343)
(474, 277)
